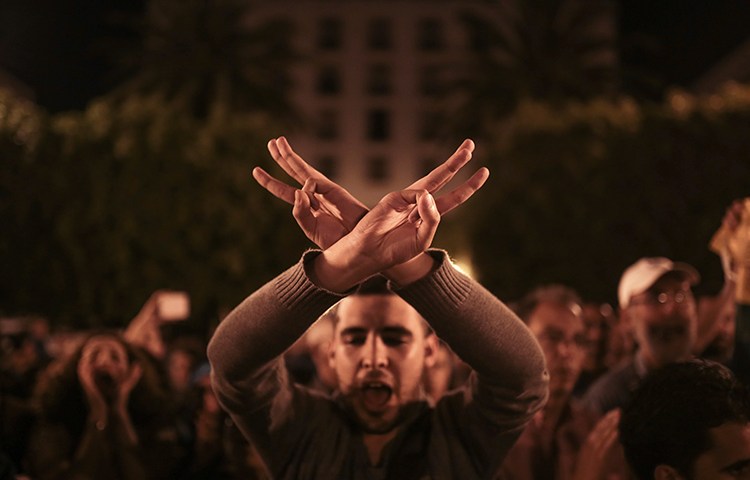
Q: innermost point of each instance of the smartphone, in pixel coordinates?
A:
(173, 306)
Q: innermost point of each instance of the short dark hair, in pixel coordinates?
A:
(669, 418)
(553, 293)
(375, 285)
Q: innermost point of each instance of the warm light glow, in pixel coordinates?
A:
(463, 266)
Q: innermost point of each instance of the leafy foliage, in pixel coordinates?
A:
(581, 191)
(202, 56)
(546, 50)
(124, 198)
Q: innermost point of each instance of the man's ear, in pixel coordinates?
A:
(665, 472)
(431, 346)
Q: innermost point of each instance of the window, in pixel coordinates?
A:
(430, 81)
(328, 166)
(430, 34)
(380, 34)
(429, 123)
(329, 33)
(328, 124)
(329, 81)
(377, 168)
(378, 125)
(379, 80)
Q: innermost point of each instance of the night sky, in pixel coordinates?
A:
(59, 48)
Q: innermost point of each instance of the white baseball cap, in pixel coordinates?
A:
(641, 275)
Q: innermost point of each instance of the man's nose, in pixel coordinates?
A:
(565, 348)
(374, 354)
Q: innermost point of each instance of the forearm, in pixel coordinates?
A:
(479, 328)
(266, 323)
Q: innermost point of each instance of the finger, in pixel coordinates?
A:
(295, 165)
(430, 219)
(277, 188)
(309, 189)
(135, 374)
(449, 201)
(280, 158)
(438, 177)
(303, 213)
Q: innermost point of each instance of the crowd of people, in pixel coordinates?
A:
(373, 357)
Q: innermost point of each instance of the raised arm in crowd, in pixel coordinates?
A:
(378, 423)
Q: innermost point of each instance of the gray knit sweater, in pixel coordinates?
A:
(305, 435)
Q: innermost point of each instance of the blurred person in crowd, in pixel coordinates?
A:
(657, 303)
(718, 344)
(548, 446)
(307, 360)
(620, 343)
(688, 420)
(378, 424)
(220, 452)
(21, 359)
(21, 362)
(103, 413)
(603, 451)
(597, 319)
(184, 355)
(144, 330)
(446, 373)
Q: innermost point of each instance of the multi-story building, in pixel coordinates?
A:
(369, 85)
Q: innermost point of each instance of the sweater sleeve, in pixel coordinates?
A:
(510, 382)
(245, 352)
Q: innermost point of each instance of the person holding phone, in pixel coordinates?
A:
(390, 287)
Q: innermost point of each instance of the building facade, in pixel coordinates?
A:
(370, 84)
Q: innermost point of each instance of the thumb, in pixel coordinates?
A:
(430, 216)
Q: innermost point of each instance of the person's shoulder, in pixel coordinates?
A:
(609, 388)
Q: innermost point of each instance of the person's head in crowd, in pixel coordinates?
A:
(21, 359)
(107, 358)
(620, 343)
(184, 355)
(688, 421)
(553, 314)
(381, 346)
(721, 347)
(447, 372)
(318, 340)
(597, 321)
(657, 302)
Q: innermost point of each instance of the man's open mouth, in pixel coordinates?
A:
(375, 395)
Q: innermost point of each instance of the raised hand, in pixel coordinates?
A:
(94, 398)
(326, 211)
(126, 384)
(399, 228)
(601, 452)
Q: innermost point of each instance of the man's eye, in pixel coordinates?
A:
(394, 341)
(354, 339)
(742, 471)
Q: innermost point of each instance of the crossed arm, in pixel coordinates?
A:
(358, 242)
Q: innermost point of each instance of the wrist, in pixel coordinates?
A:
(338, 270)
(412, 270)
(98, 419)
